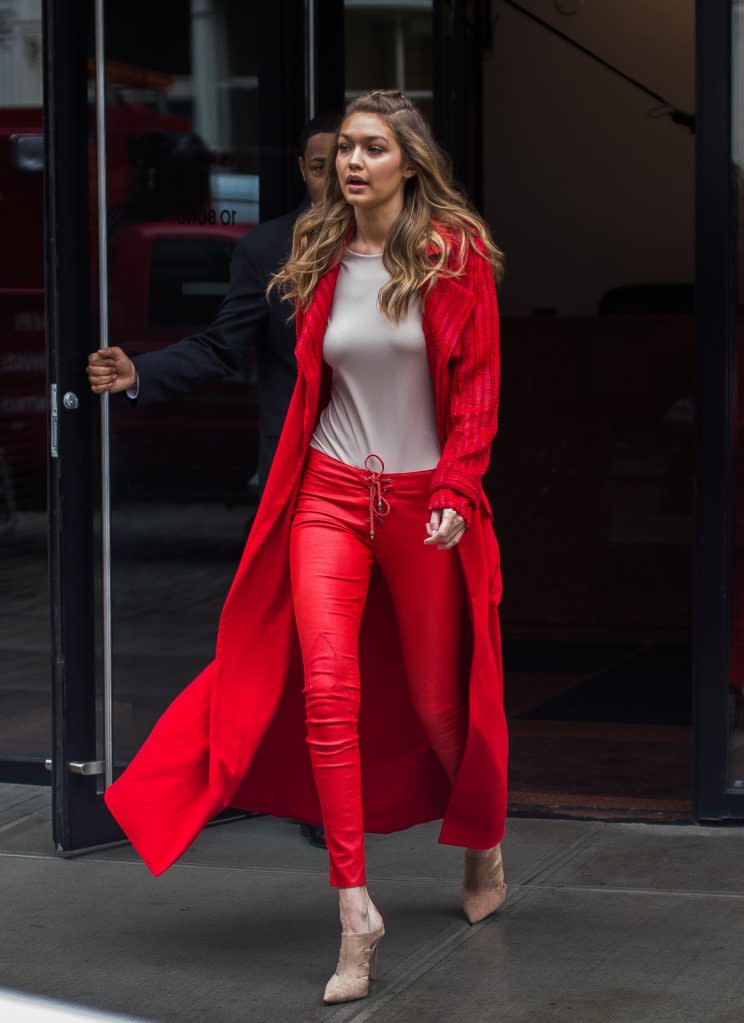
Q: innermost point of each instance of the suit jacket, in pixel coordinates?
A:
(244, 318)
(235, 736)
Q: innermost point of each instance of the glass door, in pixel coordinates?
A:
(170, 138)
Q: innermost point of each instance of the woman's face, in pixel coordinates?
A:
(371, 167)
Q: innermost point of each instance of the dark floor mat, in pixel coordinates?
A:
(651, 685)
(563, 655)
(572, 769)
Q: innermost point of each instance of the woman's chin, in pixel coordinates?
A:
(359, 198)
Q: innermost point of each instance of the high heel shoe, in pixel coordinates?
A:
(484, 888)
(357, 966)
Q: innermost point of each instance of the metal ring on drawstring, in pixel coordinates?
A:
(377, 484)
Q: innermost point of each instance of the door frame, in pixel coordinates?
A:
(715, 409)
(461, 33)
(79, 816)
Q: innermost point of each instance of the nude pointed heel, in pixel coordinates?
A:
(373, 964)
(484, 888)
(357, 966)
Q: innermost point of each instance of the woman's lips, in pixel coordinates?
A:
(356, 186)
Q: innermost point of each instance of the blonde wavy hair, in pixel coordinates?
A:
(434, 211)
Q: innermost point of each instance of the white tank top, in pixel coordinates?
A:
(382, 397)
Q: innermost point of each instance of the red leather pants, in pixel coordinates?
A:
(346, 518)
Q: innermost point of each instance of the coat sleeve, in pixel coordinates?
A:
(474, 402)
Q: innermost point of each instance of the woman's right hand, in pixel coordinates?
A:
(110, 369)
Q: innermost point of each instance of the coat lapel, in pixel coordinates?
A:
(309, 347)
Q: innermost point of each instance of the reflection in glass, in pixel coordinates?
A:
(25, 704)
(182, 159)
(389, 48)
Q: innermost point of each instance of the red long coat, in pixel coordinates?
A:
(235, 736)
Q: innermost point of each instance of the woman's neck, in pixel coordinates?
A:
(373, 228)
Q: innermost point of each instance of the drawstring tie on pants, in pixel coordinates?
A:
(379, 506)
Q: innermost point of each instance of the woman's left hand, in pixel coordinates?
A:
(445, 527)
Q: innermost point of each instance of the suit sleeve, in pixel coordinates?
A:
(218, 350)
(132, 392)
(474, 403)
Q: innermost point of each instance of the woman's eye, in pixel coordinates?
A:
(375, 149)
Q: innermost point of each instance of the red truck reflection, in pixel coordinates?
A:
(166, 282)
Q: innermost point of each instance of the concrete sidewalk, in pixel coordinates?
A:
(603, 923)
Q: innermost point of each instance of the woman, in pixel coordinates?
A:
(388, 195)
(357, 679)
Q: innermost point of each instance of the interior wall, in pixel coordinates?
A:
(583, 189)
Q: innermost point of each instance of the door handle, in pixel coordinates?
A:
(85, 766)
(79, 766)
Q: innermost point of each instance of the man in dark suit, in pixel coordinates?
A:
(243, 319)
